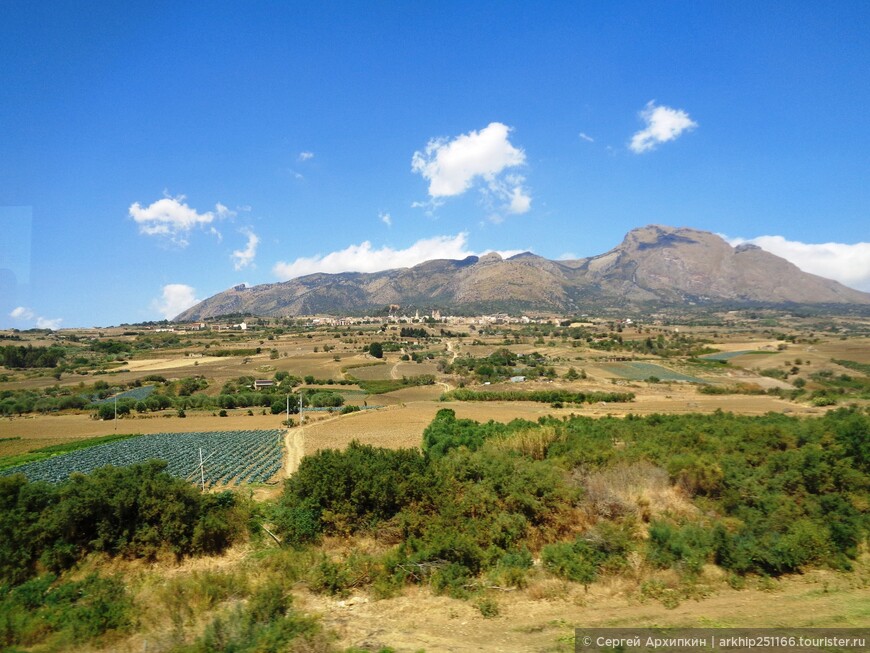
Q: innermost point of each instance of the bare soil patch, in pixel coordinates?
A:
(154, 364)
(45, 430)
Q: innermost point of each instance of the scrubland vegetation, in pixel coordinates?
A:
(764, 496)
(470, 512)
(658, 506)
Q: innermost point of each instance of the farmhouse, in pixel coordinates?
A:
(263, 383)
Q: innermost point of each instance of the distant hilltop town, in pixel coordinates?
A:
(432, 317)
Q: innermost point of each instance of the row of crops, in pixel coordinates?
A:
(137, 394)
(728, 355)
(637, 371)
(231, 457)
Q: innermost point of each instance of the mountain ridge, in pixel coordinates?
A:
(653, 265)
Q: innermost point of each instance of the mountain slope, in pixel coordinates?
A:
(652, 265)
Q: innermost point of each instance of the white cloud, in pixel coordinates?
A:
(586, 137)
(242, 258)
(386, 218)
(173, 218)
(364, 258)
(22, 313)
(453, 166)
(175, 298)
(46, 323)
(305, 156)
(521, 201)
(662, 124)
(25, 314)
(848, 264)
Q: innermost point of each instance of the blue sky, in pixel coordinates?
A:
(156, 153)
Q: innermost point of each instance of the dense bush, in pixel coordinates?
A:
(686, 548)
(134, 511)
(348, 491)
(602, 549)
(30, 356)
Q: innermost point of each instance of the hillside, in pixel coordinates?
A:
(654, 265)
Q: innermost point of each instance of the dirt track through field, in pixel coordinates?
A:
(294, 444)
(294, 447)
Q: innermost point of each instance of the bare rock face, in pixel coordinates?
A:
(654, 265)
(687, 264)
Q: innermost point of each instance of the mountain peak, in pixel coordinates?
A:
(661, 236)
(492, 257)
(524, 255)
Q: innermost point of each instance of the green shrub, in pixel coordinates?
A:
(65, 613)
(576, 561)
(488, 607)
(685, 548)
(329, 577)
(134, 511)
(348, 491)
(603, 549)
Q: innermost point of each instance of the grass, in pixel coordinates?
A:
(863, 368)
(381, 386)
(57, 449)
(359, 365)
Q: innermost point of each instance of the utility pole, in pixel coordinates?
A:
(202, 467)
(288, 410)
(301, 419)
(116, 412)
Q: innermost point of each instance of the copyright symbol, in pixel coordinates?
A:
(587, 641)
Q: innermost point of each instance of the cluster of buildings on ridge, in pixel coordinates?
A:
(434, 317)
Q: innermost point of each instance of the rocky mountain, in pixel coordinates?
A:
(653, 266)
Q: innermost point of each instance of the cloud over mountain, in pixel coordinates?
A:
(365, 258)
(663, 124)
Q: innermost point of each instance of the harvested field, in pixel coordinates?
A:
(379, 372)
(156, 364)
(728, 355)
(415, 393)
(13, 447)
(407, 368)
(854, 349)
(45, 430)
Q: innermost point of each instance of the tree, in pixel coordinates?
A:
(376, 350)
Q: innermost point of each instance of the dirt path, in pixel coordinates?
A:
(294, 443)
(294, 449)
(543, 617)
(453, 352)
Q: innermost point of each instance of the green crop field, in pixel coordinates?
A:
(230, 457)
(636, 371)
(728, 355)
